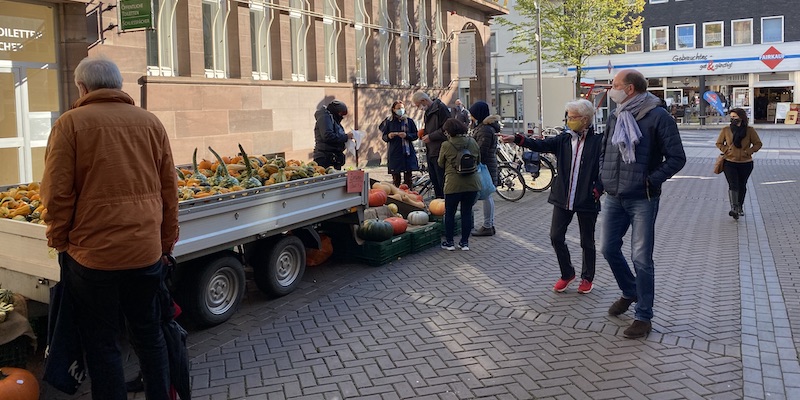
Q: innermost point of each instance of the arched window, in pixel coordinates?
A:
(215, 43)
(261, 18)
(162, 43)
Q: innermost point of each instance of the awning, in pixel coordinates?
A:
(760, 84)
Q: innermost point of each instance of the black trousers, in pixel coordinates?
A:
(558, 232)
(737, 175)
(436, 174)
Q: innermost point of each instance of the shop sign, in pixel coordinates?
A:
(712, 66)
(772, 57)
(135, 14)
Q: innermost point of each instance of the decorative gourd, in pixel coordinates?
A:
(399, 225)
(316, 257)
(436, 207)
(418, 218)
(377, 197)
(18, 384)
(393, 209)
(383, 186)
(375, 230)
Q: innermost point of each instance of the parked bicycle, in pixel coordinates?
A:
(537, 170)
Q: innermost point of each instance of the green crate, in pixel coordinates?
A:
(16, 352)
(457, 230)
(425, 236)
(379, 253)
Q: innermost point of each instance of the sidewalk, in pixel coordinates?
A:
(486, 323)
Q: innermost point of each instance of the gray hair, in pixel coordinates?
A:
(98, 73)
(583, 107)
(419, 96)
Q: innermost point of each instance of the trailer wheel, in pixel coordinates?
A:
(215, 289)
(281, 268)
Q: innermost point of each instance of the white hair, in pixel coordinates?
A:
(419, 96)
(583, 107)
(98, 73)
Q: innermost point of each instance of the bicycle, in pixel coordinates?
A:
(537, 173)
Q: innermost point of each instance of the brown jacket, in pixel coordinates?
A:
(750, 144)
(109, 184)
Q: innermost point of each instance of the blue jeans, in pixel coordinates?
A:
(451, 202)
(640, 216)
(100, 298)
(488, 212)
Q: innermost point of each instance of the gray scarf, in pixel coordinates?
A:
(626, 131)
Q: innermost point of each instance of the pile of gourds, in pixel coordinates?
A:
(22, 204)
(242, 172)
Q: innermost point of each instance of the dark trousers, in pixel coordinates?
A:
(406, 178)
(558, 232)
(451, 203)
(437, 176)
(737, 175)
(99, 298)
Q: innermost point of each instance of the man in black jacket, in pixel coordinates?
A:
(576, 189)
(642, 150)
(433, 135)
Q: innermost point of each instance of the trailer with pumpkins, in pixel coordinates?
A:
(266, 225)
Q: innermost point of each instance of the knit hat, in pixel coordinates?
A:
(337, 107)
(479, 110)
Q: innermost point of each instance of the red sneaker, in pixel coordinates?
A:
(585, 286)
(562, 284)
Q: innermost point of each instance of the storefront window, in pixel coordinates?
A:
(772, 30)
(659, 39)
(684, 36)
(712, 34)
(742, 32)
(27, 33)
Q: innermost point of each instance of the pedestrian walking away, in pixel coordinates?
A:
(400, 132)
(432, 134)
(485, 128)
(738, 142)
(460, 187)
(576, 190)
(642, 149)
(112, 225)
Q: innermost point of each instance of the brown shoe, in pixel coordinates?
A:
(620, 306)
(483, 231)
(638, 329)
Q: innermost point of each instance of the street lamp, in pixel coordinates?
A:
(496, 84)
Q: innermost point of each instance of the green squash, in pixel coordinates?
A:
(375, 230)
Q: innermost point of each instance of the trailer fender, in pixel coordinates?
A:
(308, 236)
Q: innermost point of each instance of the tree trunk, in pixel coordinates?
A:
(578, 81)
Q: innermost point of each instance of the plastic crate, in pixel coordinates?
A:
(379, 253)
(16, 352)
(425, 236)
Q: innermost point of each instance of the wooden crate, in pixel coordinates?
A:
(27, 266)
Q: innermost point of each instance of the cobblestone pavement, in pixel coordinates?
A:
(485, 324)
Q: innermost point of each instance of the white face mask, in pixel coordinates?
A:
(617, 95)
(400, 112)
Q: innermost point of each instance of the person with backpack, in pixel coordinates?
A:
(400, 132)
(459, 157)
(484, 129)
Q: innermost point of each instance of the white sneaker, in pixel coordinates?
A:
(464, 247)
(448, 246)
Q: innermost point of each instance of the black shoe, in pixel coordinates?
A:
(638, 329)
(620, 306)
(483, 231)
(135, 385)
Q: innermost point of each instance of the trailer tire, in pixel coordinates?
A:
(278, 270)
(214, 291)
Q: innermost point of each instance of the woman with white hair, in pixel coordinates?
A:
(576, 190)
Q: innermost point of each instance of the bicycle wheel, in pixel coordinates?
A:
(542, 180)
(510, 183)
(426, 191)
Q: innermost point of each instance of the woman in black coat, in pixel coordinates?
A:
(576, 190)
(485, 128)
(399, 131)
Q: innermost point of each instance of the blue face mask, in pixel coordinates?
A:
(400, 112)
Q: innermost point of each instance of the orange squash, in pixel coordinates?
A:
(18, 384)
(399, 225)
(436, 207)
(377, 197)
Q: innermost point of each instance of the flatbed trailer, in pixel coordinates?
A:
(267, 228)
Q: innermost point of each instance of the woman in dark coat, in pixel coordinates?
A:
(485, 127)
(399, 131)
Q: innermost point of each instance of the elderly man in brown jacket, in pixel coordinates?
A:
(110, 190)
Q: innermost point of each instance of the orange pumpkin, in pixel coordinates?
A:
(403, 187)
(436, 207)
(316, 257)
(18, 384)
(399, 225)
(377, 197)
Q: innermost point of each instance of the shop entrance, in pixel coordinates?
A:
(767, 99)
